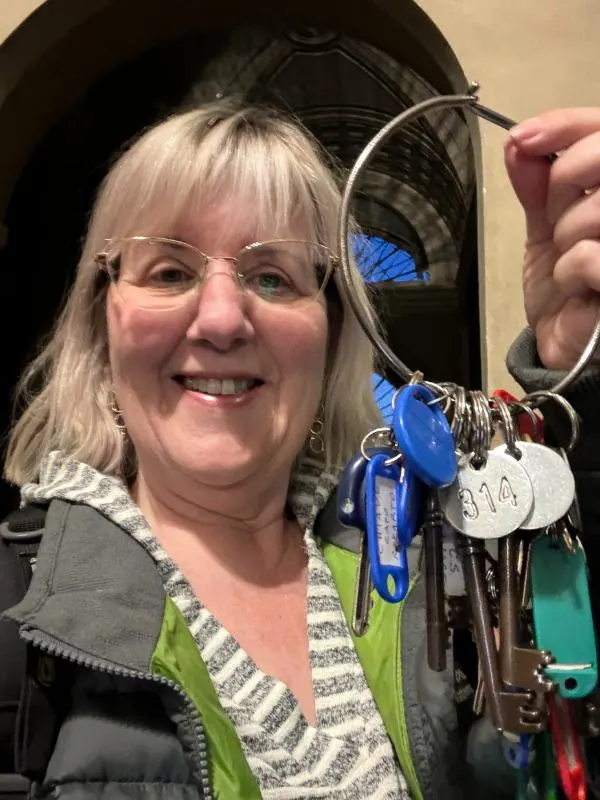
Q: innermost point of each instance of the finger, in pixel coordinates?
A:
(530, 177)
(561, 339)
(575, 172)
(577, 272)
(580, 221)
(555, 130)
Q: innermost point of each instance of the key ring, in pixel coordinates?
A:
(470, 102)
(375, 434)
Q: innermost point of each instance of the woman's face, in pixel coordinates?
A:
(226, 387)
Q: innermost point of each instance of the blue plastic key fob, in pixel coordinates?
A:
(387, 557)
(424, 436)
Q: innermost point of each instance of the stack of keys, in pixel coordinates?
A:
(521, 493)
(529, 609)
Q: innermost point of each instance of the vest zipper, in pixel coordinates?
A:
(196, 732)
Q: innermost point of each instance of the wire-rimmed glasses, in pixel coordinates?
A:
(162, 274)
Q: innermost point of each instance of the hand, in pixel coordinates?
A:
(561, 274)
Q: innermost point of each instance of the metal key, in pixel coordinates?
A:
(513, 711)
(519, 666)
(473, 551)
(479, 696)
(525, 575)
(437, 623)
(364, 587)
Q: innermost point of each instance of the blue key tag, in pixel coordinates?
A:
(351, 488)
(518, 750)
(424, 436)
(562, 614)
(411, 506)
(387, 557)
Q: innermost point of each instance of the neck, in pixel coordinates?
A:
(241, 530)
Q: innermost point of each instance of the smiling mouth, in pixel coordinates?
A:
(228, 387)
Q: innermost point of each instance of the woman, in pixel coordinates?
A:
(193, 414)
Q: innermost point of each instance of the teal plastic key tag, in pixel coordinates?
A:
(562, 615)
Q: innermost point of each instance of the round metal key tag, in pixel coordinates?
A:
(552, 482)
(490, 501)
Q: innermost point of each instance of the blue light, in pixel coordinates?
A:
(379, 261)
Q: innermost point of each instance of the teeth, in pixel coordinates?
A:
(216, 386)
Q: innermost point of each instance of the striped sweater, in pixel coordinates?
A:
(348, 754)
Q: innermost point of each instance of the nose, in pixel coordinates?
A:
(220, 319)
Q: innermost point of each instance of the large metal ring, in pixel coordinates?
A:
(533, 399)
(470, 102)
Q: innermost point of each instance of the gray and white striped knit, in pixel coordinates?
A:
(348, 754)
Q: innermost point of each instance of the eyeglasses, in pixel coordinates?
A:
(161, 274)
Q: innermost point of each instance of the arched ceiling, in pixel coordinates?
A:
(419, 188)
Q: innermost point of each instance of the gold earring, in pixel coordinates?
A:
(316, 445)
(118, 418)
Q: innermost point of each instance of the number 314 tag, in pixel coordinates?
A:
(489, 501)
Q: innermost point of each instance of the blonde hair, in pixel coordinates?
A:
(65, 396)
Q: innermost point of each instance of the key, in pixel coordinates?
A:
(411, 505)
(520, 667)
(364, 587)
(479, 696)
(437, 623)
(489, 498)
(525, 575)
(424, 436)
(512, 711)
(473, 559)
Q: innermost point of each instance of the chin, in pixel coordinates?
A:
(219, 466)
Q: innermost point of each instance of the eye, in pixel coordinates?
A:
(270, 284)
(170, 274)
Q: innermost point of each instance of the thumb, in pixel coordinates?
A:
(530, 176)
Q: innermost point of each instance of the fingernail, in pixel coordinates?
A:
(527, 131)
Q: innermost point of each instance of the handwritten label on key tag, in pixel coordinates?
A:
(424, 436)
(552, 482)
(350, 493)
(387, 557)
(562, 614)
(488, 501)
